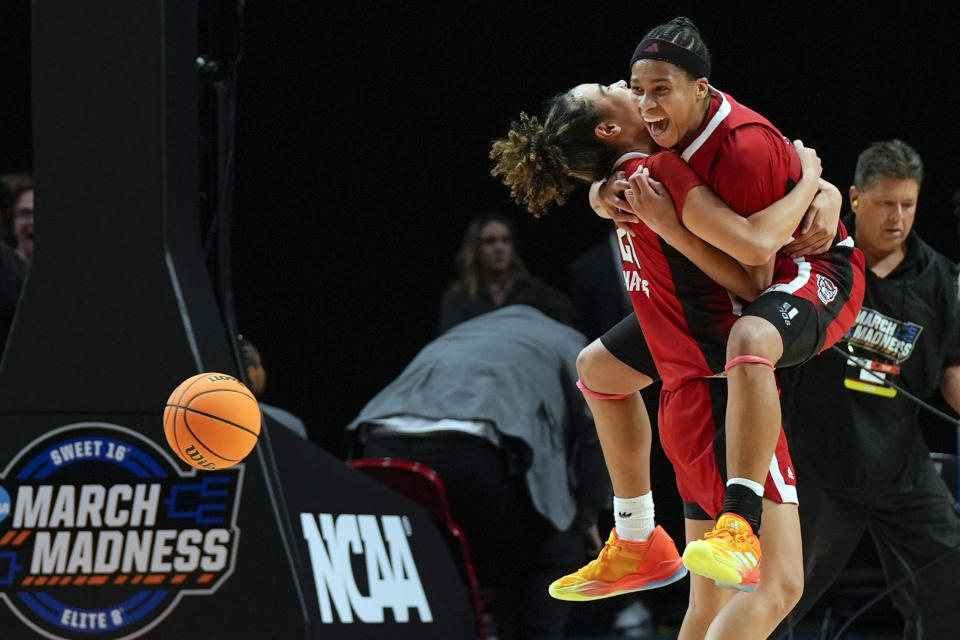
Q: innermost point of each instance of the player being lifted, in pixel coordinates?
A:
(692, 327)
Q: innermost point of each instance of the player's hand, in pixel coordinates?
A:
(809, 160)
(819, 225)
(608, 202)
(652, 204)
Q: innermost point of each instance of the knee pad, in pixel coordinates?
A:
(602, 396)
(748, 360)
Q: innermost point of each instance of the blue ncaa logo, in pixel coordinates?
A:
(102, 534)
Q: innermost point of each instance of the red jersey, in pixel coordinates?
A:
(749, 164)
(685, 315)
(739, 154)
(737, 143)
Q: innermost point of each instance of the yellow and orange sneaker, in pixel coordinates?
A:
(729, 555)
(624, 566)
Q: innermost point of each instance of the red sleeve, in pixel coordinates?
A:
(668, 168)
(752, 168)
(630, 166)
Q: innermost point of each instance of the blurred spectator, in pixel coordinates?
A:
(257, 376)
(15, 190)
(12, 270)
(490, 271)
(16, 212)
(595, 282)
(492, 406)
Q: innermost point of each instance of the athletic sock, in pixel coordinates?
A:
(633, 517)
(745, 498)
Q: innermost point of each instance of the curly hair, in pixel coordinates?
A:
(542, 162)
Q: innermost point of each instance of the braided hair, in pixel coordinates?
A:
(542, 162)
(683, 32)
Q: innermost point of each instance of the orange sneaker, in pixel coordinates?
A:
(729, 555)
(624, 566)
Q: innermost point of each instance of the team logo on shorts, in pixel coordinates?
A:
(102, 534)
(826, 289)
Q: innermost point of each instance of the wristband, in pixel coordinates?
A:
(594, 197)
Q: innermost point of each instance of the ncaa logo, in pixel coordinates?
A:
(826, 289)
(102, 534)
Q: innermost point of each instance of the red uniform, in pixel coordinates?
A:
(749, 164)
(686, 316)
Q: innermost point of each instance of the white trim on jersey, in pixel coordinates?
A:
(801, 279)
(630, 155)
(846, 242)
(788, 492)
(595, 187)
(715, 121)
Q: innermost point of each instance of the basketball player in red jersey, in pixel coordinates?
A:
(686, 316)
(742, 157)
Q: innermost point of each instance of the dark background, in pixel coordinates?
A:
(363, 129)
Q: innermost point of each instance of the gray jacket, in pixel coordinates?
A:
(516, 368)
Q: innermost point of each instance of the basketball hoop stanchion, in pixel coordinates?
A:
(105, 533)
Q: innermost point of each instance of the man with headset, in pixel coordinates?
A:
(861, 461)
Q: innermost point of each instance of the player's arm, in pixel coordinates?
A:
(819, 226)
(606, 199)
(657, 212)
(755, 240)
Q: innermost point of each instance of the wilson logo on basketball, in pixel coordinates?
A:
(101, 534)
(212, 421)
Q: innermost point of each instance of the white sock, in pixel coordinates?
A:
(633, 517)
(756, 487)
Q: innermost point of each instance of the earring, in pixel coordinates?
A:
(856, 203)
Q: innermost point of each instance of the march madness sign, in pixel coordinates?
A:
(102, 534)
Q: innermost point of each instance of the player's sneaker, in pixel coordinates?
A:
(624, 566)
(729, 555)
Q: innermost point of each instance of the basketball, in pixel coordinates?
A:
(211, 421)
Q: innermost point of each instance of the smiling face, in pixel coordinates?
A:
(673, 105)
(884, 214)
(621, 125)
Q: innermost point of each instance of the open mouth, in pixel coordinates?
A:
(656, 125)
